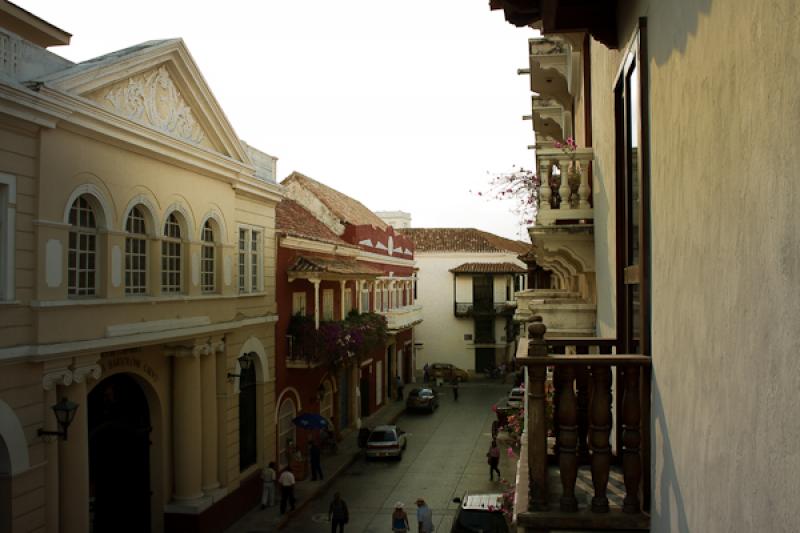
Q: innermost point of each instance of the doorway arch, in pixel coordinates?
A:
(119, 456)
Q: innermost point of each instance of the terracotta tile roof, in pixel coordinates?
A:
(315, 264)
(293, 219)
(461, 240)
(488, 268)
(345, 208)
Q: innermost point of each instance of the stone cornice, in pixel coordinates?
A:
(45, 352)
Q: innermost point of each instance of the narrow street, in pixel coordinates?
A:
(445, 457)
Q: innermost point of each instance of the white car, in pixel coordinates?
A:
(386, 441)
(516, 397)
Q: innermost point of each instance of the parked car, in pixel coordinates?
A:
(386, 441)
(480, 513)
(447, 372)
(516, 397)
(422, 399)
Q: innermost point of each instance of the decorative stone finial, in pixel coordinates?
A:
(536, 343)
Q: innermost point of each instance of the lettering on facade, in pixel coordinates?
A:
(120, 362)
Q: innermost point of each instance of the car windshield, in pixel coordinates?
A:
(426, 393)
(483, 521)
(381, 436)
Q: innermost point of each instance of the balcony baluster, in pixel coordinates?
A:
(631, 440)
(600, 433)
(568, 439)
(564, 191)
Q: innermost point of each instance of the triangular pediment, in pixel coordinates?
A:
(156, 85)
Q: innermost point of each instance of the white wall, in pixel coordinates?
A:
(441, 333)
(724, 77)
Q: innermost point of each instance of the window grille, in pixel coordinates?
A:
(171, 256)
(135, 253)
(207, 283)
(82, 255)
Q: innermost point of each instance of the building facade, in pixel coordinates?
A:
(467, 282)
(137, 234)
(348, 312)
(675, 107)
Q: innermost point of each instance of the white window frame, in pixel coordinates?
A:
(208, 259)
(327, 305)
(135, 252)
(86, 245)
(348, 301)
(299, 303)
(8, 217)
(250, 263)
(170, 242)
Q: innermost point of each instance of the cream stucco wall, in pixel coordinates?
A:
(724, 77)
(441, 332)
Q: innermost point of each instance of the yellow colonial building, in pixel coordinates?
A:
(136, 292)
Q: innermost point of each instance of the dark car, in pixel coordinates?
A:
(423, 400)
(447, 372)
(480, 513)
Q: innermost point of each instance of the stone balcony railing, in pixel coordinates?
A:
(403, 317)
(584, 467)
(565, 191)
(564, 312)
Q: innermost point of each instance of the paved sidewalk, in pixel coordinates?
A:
(270, 520)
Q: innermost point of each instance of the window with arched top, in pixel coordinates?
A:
(135, 253)
(171, 250)
(286, 431)
(82, 252)
(207, 263)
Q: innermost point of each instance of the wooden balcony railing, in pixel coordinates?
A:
(584, 389)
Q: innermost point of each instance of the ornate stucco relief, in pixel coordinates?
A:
(152, 99)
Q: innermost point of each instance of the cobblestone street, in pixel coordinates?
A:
(445, 458)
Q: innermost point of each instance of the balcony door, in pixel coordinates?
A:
(482, 293)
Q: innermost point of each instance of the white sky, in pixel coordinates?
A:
(403, 105)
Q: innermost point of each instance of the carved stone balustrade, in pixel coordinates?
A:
(586, 434)
(565, 190)
(565, 312)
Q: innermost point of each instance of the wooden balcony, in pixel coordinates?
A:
(471, 309)
(586, 457)
(400, 318)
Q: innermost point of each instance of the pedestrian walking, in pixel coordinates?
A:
(287, 481)
(314, 456)
(399, 519)
(455, 389)
(338, 514)
(493, 456)
(426, 373)
(399, 383)
(424, 517)
(269, 475)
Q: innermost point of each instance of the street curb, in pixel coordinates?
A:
(284, 521)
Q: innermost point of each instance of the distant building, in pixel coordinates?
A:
(396, 219)
(337, 259)
(467, 281)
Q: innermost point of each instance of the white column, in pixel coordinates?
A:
(316, 302)
(342, 284)
(208, 371)
(187, 425)
(564, 190)
(73, 466)
(359, 289)
(54, 374)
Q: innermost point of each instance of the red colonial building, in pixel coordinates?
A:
(347, 308)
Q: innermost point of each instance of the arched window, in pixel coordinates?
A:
(286, 431)
(171, 281)
(82, 257)
(247, 415)
(135, 253)
(207, 276)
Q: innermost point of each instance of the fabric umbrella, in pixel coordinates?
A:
(310, 421)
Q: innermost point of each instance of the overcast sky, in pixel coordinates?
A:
(403, 105)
